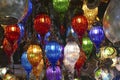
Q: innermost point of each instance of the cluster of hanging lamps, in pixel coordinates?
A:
(32, 60)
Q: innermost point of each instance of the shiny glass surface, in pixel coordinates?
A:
(111, 22)
(12, 10)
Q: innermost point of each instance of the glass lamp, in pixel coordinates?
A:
(12, 11)
(90, 14)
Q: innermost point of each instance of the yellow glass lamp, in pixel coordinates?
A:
(90, 14)
(107, 52)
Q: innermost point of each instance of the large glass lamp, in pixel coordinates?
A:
(111, 22)
(12, 11)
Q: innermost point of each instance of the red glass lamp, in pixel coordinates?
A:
(42, 24)
(12, 33)
(79, 24)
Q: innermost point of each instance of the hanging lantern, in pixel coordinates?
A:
(90, 14)
(12, 11)
(42, 24)
(53, 74)
(34, 55)
(87, 46)
(80, 62)
(12, 33)
(96, 35)
(79, 24)
(25, 63)
(111, 21)
(9, 49)
(107, 52)
(38, 70)
(53, 51)
(61, 5)
(71, 55)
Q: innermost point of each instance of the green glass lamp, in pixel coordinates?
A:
(87, 46)
(60, 6)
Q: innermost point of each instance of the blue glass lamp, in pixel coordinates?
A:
(96, 35)
(26, 65)
(53, 51)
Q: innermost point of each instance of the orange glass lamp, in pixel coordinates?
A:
(34, 55)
